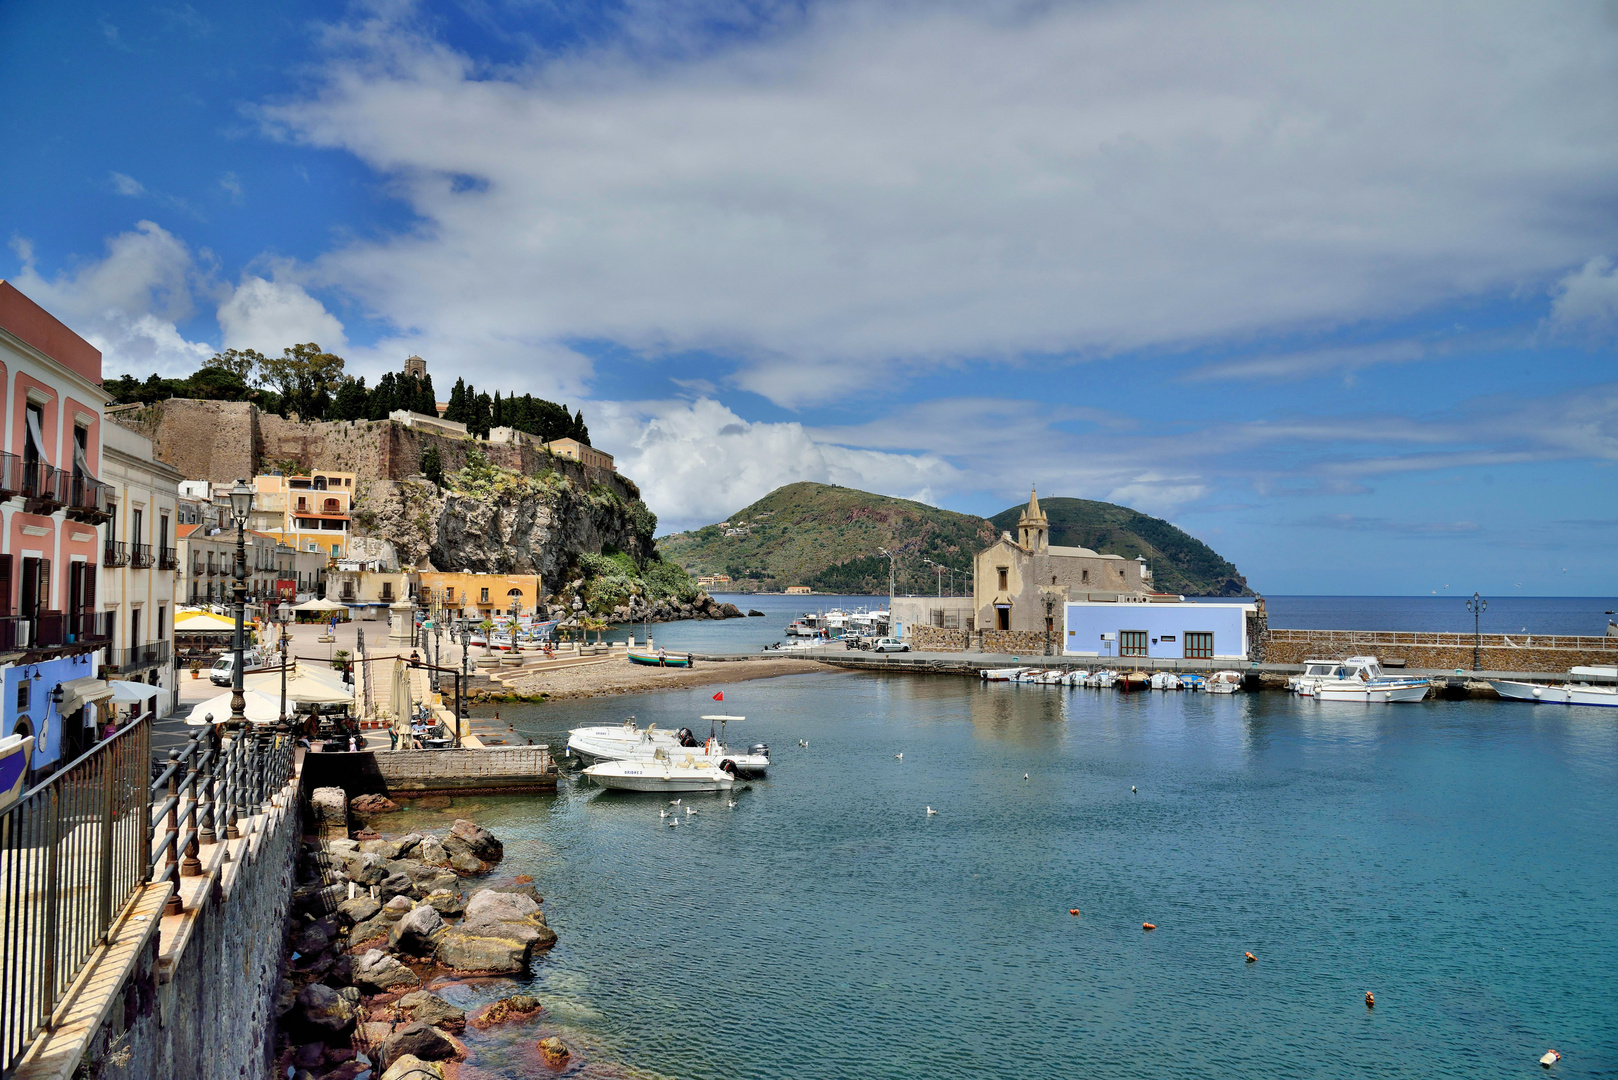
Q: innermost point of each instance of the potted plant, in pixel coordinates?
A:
(196, 669)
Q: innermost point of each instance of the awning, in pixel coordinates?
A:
(202, 622)
(78, 693)
(132, 693)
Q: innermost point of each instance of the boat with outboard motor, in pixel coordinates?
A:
(628, 742)
(662, 773)
(1360, 678)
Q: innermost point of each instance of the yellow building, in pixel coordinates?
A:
(799, 590)
(586, 455)
(309, 513)
(479, 594)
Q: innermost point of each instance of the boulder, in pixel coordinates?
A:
(553, 1050)
(498, 905)
(523, 886)
(398, 907)
(446, 881)
(396, 885)
(405, 845)
(309, 1055)
(480, 840)
(381, 973)
(464, 862)
(411, 1067)
(515, 1007)
(414, 933)
(341, 973)
(446, 903)
(350, 994)
(365, 867)
(754, 613)
(342, 847)
(414, 869)
(329, 806)
(418, 1040)
(323, 1011)
(372, 804)
(483, 949)
(359, 909)
(381, 925)
(314, 937)
(319, 900)
(428, 1008)
(729, 611)
(431, 852)
(373, 846)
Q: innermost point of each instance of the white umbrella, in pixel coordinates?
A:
(320, 605)
(261, 709)
(132, 693)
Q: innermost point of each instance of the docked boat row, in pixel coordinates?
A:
(826, 625)
(628, 757)
(1358, 678)
(1219, 682)
(1579, 692)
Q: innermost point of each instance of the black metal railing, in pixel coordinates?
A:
(10, 475)
(45, 485)
(137, 657)
(116, 553)
(72, 853)
(89, 500)
(55, 630)
(168, 559)
(140, 556)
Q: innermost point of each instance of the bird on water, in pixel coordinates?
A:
(1132, 790)
(931, 811)
(898, 757)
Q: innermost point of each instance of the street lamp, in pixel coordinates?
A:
(466, 675)
(890, 557)
(241, 505)
(283, 615)
(1477, 606)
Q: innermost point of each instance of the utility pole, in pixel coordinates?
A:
(889, 554)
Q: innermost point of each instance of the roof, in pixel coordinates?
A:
(45, 332)
(1081, 553)
(187, 530)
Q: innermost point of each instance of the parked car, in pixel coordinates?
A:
(890, 644)
(222, 670)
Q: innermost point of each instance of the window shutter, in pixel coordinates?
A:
(42, 591)
(5, 584)
(89, 591)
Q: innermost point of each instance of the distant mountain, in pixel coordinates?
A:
(1180, 562)
(827, 537)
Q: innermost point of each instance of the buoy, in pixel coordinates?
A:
(1148, 926)
(1551, 1058)
(1370, 1000)
(1251, 959)
(1072, 911)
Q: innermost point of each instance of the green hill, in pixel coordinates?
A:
(826, 537)
(1180, 562)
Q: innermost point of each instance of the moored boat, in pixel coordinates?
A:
(627, 742)
(662, 774)
(1360, 678)
(1566, 694)
(1223, 682)
(15, 753)
(646, 659)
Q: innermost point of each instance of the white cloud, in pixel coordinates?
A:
(270, 315)
(915, 183)
(1587, 300)
(128, 304)
(127, 185)
(698, 461)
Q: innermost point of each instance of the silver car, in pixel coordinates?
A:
(890, 644)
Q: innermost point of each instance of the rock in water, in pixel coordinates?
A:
(553, 1050)
(381, 973)
(431, 852)
(372, 804)
(494, 950)
(480, 840)
(411, 1067)
(754, 613)
(422, 1041)
(515, 1007)
(429, 1008)
(416, 932)
(324, 1011)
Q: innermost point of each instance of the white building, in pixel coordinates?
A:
(140, 560)
(1165, 629)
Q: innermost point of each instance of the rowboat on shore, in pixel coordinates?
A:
(666, 660)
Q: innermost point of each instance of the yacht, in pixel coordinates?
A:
(1360, 678)
(627, 742)
(664, 772)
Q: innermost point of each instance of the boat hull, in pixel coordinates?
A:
(1598, 696)
(1373, 694)
(646, 660)
(663, 780)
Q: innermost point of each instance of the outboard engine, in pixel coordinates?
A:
(761, 749)
(687, 738)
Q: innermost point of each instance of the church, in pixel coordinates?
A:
(1022, 583)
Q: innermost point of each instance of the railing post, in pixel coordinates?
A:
(233, 787)
(172, 905)
(47, 983)
(192, 866)
(108, 777)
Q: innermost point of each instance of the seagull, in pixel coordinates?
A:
(1132, 790)
(731, 803)
(690, 810)
(673, 821)
(898, 757)
(674, 802)
(931, 811)
(1025, 776)
(662, 813)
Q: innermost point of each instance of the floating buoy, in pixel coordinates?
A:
(1251, 959)
(1370, 1000)
(1551, 1058)
(1072, 911)
(1148, 926)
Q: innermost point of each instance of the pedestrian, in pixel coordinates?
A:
(662, 657)
(351, 745)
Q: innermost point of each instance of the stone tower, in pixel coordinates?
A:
(417, 367)
(1033, 528)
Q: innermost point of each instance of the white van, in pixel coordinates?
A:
(224, 667)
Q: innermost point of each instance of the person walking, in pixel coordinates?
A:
(662, 657)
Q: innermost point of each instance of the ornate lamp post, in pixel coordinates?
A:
(1477, 606)
(283, 615)
(241, 506)
(460, 691)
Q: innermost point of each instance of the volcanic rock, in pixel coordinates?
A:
(381, 973)
(323, 1011)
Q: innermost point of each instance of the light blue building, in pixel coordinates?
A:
(31, 706)
(1157, 631)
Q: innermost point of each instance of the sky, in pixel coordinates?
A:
(1334, 288)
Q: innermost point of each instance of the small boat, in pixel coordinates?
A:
(1005, 674)
(1223, 682)
(1165, 680)
(1134, 680)
(1192, 682)
(1314, 673)
(663, 774)
(666, 660)
(1566, 694)
(1360, 678)
(15, 753)
(627, 742)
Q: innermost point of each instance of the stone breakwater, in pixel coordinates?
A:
(374, 920)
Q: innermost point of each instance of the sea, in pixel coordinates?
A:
(1457, 859)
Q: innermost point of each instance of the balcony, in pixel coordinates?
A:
(55, 630)
(10, 475)
(89, 501)
(140, 556)
(150, 655)
(168, 559)
(116, 553)
(45, 488)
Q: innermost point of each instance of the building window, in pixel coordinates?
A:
(1084, 577)
(162, 622)
(22, 694)
(1198, 646)
(387, 591)
(1131, 643)
(449, 594)
(484, 598)
(1002, 617)
(1003, 585)
(136, 523)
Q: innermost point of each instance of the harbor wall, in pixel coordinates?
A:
(420, 772)
(1496, 652)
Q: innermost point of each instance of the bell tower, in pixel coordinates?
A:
(1033, 528)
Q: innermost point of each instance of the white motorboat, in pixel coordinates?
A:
(1004, 674)
(627, 742)
(1223, 682)
(1360, 678)
(1165, 680)
(662, 773)
(1314, 673)
(1566, 694)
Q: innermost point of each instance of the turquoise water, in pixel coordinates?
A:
(1459, 859)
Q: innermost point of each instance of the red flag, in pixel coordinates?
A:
(719, 696)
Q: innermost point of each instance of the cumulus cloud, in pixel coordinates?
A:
(876, 184)
(128, 304)
(697, 461)
(270, 315)
(1586, 301)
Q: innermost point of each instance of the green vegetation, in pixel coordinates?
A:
(432, 464)
(1180, 562)
(536, 416)
(612, 577)
(827, 537)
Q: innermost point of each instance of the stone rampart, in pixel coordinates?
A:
(926, 638)
(1017, 642)
(417, 772)
(1496, 652)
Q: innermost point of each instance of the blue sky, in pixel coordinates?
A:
(1333, 290)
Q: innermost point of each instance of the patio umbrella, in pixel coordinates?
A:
(320, 605)
(261, 709)
(202, 622)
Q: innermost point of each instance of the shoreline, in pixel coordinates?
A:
(621, 677)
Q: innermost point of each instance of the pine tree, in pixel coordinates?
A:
(580, 432)
(457, 403)
(352, 401)
(497, 416)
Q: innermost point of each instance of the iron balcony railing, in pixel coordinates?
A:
(138, 657)
(76, 848)
(55, 630)
(45, 485)
(89, 500)
(140, 556)
(168, 559)
(116, 553)
(10, 475)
